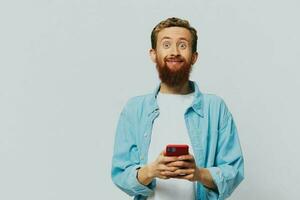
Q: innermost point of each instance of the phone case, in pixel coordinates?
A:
(176, 150)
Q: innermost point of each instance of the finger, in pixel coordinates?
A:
(168, 174)
(167, 159)
(180, 164)
(189, 157)
(163, 167)
(164, 158)
(181, 172)
(163, 177)
(171, 169)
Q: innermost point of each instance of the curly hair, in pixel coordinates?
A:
(174, 22)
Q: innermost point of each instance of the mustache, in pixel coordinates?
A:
(174, 59)
(173, 77)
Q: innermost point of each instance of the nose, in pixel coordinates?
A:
(175, 51)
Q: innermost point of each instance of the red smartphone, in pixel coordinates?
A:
(176, 149)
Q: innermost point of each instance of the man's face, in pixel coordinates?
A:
(173, 55)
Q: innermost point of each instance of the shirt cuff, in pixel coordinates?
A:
(137, 186)
(216, 174)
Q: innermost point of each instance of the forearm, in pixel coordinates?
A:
(206, 179)
(144, 175)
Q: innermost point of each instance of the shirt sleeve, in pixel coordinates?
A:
(126, 161)
(228, 171)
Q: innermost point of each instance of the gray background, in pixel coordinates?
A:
(68, 67)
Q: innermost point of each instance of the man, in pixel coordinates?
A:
(176, 113)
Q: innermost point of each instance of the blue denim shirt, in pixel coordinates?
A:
(213, 135)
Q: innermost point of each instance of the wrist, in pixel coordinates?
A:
(201, 173)
(149, 171)
(144, 175)
(206, 179)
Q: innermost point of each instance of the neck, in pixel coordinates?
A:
(181, 89)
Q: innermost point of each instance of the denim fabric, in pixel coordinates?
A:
(213, 136)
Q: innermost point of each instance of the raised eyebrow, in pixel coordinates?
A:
(182, 38)
(164, 38)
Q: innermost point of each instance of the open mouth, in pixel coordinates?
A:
(173, 62)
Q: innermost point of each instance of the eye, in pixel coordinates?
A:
(166, 45)
(182, 45)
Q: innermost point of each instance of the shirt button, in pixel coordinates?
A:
(142, 157)
(145, 134)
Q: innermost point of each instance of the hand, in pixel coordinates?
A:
(156, 169)
(160, 169)
(186, 168)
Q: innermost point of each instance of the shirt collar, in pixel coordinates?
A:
(197, 103)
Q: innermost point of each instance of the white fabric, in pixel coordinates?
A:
(170, 128)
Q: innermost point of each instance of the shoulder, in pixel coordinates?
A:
(138, 104)
(214, 105)
(213, 100)
(137, 101)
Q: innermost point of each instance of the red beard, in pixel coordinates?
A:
(174, 77)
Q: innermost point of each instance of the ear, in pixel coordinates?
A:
(152, 53)
(194, 57)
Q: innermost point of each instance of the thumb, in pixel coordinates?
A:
(163, 153)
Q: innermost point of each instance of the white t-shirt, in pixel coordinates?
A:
(170, 128)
